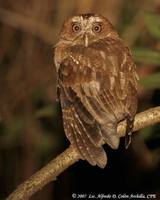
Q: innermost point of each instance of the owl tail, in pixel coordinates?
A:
(85, 137)
(109, 133)
(89, 150)
(94, 155)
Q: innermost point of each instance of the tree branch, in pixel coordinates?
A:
(55, 167)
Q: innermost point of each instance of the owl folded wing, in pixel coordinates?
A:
(92, 103)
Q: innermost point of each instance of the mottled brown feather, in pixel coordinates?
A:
(97, 90)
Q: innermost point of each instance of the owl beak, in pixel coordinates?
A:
(86, 40)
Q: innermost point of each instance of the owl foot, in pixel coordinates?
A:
(129, 128)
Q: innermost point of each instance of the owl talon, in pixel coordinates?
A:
(128, 135)
(128, 138)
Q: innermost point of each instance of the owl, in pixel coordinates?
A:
(97, 85)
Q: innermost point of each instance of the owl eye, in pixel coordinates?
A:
(97, 28)
(76, 27)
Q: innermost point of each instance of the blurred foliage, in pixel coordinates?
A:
(152, 81)
(153, 24)
(146, 56)
(31, 130)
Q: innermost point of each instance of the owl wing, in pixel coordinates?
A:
(91, 102)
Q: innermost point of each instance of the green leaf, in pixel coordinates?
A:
(152, 81)
(146, 56)
(46, 111)
(152, 22)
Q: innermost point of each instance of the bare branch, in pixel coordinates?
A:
(55, 167)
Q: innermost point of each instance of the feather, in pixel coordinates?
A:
(96, 92)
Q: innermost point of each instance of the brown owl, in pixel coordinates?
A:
(97, 85)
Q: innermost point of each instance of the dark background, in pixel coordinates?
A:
(31, 131)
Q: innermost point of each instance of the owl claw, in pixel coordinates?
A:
(129, 128)
(128, 138)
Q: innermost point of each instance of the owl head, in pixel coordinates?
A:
(87, 28)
